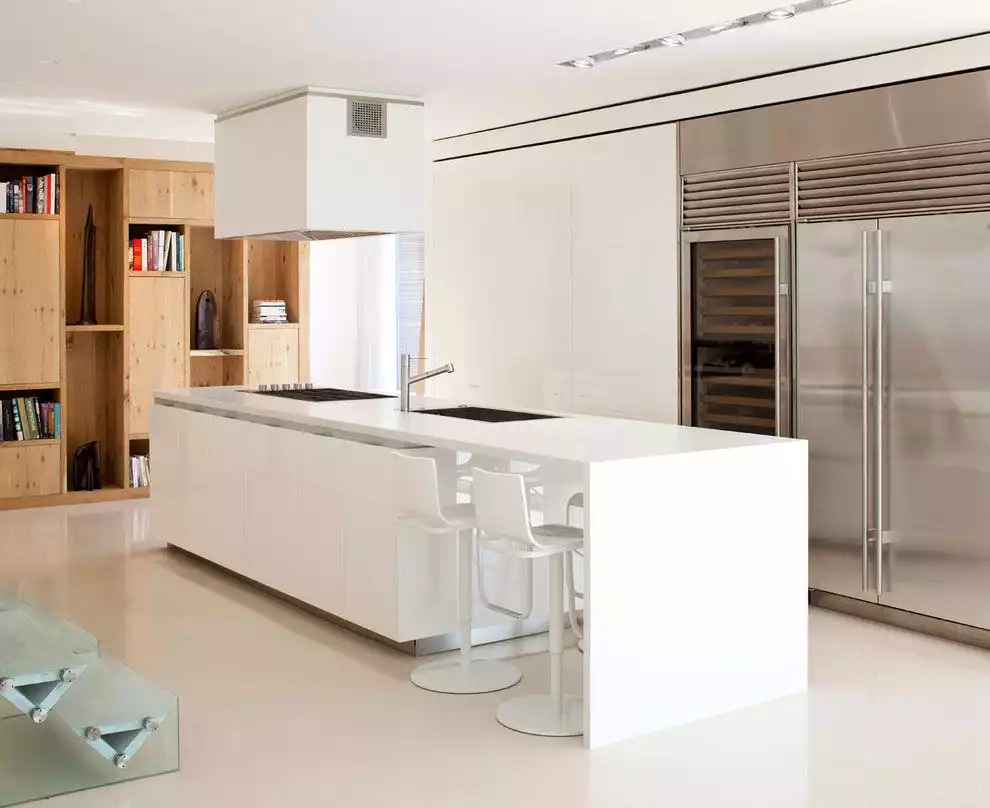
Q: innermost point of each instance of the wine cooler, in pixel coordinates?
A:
(736, 318)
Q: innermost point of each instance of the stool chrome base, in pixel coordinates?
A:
(535, 715)
(484, 676)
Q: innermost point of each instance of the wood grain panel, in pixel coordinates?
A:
(30, 301)
(235, 302)
(192, 195)
(150, 194)
(273, 356)
(170, 194)
(158, 345)
(30, 470)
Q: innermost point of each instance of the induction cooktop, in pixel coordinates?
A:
(310, 393)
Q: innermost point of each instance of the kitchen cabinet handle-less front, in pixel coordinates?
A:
(893, 395)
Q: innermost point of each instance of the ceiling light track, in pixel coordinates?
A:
(777, 14)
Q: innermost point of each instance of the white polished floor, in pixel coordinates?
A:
(281, 709)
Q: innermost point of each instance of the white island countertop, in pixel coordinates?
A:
(695, 555)
(569, 438)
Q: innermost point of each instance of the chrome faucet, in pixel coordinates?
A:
(406, 380)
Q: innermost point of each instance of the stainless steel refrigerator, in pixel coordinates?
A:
(892, 391)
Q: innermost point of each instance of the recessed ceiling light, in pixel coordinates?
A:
(724, 26)
(621, 51)
(585, 63)
(784, 13)
(49, 62)
(673, 41)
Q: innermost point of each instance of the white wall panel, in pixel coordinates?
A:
(552, 276)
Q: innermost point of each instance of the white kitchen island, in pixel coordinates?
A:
(696, 573)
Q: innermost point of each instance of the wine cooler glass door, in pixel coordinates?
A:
(736, 322)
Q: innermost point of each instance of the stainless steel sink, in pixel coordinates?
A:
(486, 414)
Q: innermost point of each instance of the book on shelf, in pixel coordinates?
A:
(158, 251)
(140, 476)
(30, 195)
(28, 418)
(268, 312)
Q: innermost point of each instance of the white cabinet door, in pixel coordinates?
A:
(229, 440)
(370, 567)
(499, 274)
(271, 490)
(625, 267)
(320, 529)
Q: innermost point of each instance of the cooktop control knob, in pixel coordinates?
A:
(309, 385)
(262, 388)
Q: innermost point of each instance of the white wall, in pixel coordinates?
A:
(353, 313)
(552, 276)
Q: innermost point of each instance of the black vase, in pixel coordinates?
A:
(206, 322)
(87, 313)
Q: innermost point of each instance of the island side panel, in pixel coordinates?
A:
(697, 587)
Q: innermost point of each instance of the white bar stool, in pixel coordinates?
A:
(504, 524)
(573, 594)
(417, 496)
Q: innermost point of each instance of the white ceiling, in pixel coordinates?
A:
(478, 63)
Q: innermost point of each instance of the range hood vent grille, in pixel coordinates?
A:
(736, 198)
(366, 118)
(939, 179)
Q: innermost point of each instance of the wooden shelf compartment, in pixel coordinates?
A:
(159, 223)
(30, 469)
(147, 273)
(93, 399)
(273, 274)
(10, 172)
(219, 267)
(104, 191)
(274, 326)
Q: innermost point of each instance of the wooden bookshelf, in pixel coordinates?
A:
(103, 374)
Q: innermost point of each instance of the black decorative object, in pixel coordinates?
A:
(206, 322)
(86, 467)
(87, 314)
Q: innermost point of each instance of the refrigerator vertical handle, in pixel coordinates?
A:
(781, 343)
(878, 419)
(865, 256)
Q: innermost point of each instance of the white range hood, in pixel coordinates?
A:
(316, 163)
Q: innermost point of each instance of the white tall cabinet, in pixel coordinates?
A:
(552, 276)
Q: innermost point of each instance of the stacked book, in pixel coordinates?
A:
(140, 471)
(30, 195)
(159, 251)
(29, 419)
(269, 312)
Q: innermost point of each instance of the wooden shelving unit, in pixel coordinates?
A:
(104, 374)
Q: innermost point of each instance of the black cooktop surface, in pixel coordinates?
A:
(321, 394)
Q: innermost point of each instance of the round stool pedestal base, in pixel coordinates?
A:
(447, 676)
(535, 715)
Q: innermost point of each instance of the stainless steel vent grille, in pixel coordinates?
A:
(898, 183)
(747, 196)
(365, 118)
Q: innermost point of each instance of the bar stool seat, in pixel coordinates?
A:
(418, 505)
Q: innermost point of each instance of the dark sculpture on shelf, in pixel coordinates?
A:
(87, 314)
(86, 467)
(206, 322)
